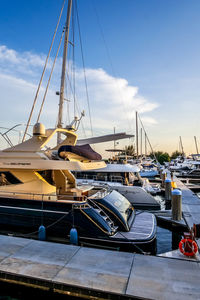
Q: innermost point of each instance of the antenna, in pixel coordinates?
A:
(76, 122)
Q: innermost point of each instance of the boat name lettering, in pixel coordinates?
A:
(17, 164)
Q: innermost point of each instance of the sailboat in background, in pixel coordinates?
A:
(38, 189)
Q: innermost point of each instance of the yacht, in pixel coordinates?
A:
(125, 179)
(37, 188)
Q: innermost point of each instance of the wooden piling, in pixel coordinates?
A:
(164, 175)
(168, 190)
(176, 205)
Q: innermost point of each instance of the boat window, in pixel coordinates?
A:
(48, 176)
(102, 176)
(7, 178)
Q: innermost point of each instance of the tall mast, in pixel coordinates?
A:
(62, 85)
(195, 139)
(181, 144)
(141, 141)
(136, 133)
(114, 141)
(145, 141)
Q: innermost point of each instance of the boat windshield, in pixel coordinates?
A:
(119, 208)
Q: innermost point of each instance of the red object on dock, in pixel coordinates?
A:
(188, 247)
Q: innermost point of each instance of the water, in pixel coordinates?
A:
(163, 240)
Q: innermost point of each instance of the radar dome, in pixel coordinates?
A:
(39, 129)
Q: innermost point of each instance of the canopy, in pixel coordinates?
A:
(84, 151)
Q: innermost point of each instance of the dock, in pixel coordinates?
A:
(90, 273)
(190, 205)
(96, 273)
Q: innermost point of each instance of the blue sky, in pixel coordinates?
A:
(148, 59)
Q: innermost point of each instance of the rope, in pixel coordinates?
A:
(34, 102)
(49, 226)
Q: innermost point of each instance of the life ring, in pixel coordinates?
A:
(191, 244)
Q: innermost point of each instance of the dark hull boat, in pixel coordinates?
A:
(107, 221)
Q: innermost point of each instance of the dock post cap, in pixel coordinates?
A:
(168, 180)
(176, 192)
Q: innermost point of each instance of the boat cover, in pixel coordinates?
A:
(83, 150)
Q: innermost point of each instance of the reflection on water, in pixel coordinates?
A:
(164, 240)
(167, 240)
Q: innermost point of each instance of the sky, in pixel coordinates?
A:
(139, 55)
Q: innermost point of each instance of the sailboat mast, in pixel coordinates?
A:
(62, 85)
(141, 141)
(136, 132)
(181, 144)
(195, 140)
(145, 145)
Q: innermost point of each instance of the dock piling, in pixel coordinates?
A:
(176, 205)
(168, 190)
(163, 177)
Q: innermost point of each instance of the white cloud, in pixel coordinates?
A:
(113, 101)
(25, 58)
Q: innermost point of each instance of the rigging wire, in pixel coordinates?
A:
(42, 104)
(44, 69)
(111, 64)
(73, 60)
(71, 83)
(84, 71)
(148, 139)
(77, 106)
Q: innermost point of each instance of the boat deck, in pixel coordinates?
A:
(89, 272)
(142, 229)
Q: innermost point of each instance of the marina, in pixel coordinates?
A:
(78, 221)
(105, 274)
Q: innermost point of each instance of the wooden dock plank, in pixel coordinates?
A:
(96, 271)
(190, 205)
(107, 271)
(164, 279)
(36, 259)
